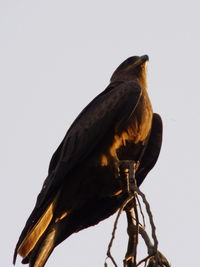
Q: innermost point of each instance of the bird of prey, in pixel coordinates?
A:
(82, 187)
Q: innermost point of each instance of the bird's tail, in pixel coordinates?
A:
(42, 250)
(38, 243)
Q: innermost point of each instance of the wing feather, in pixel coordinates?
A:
(152, 150)
(112, 107)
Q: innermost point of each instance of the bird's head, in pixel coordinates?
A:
(133, 68)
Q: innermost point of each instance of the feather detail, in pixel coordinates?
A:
(46, 249)
(36, 232)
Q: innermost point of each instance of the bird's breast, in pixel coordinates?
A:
(127, 143)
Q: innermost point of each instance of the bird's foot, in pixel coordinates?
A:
(126, 174)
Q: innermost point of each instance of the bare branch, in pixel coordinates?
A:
(109, 255)
(153, 228)
(141, 212)
(135, 228)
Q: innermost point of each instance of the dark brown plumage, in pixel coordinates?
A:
(82, 187)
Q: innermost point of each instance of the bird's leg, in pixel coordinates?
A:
(128, 181)
(125, 168)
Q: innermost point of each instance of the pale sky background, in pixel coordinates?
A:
(55, 56)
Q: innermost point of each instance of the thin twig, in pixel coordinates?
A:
(109, 255)
(141, 212)
(137, 231)
(133, 180)
(147, 240)
(144, 260)
(153, 228)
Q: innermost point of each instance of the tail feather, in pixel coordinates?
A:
(43, 250)
(36, 232)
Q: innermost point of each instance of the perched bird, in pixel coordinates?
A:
(82, 187)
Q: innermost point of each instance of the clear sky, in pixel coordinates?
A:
(55, 56)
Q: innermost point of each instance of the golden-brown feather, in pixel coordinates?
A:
(46, 249)
(36, 232)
